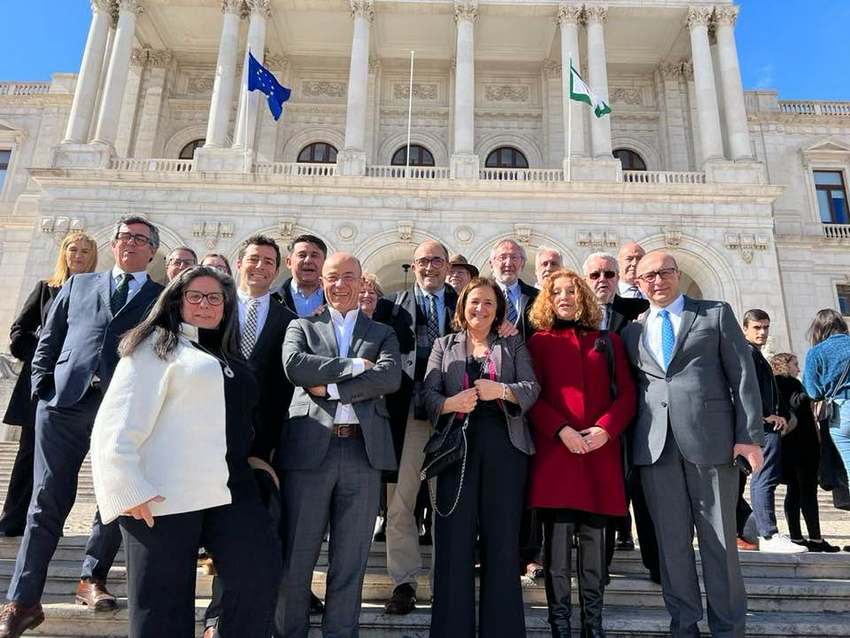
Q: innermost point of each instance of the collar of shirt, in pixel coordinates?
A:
(138, 277)
(244, 297)
(676, 308)
(513, 289)
(189, 331)
(296, 291)
(627, 289)
(343, 322)
(439, 294)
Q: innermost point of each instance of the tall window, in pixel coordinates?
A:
(5, 159)
(419, 156)
(506, 157)
(832, 197)
(844, 300)
(631, 161)
(318, 153)
(188, 151)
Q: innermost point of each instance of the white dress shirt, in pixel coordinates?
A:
(137, 280)
(262, 309)
(625, 289)
(344, 329)
(652, 334)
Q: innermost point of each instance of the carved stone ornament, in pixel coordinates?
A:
(699, 16)
(569, 13)
(688, 70)
(139, 57)
(232, 6)
(363, 9)
(671, 71)
(596, 14)
(272, 61)
(323, 88)
(211, 232)
(101, 5)
(466, 10)
(159, 58)
(523, 234)
(626, 96)
(672, 236)
(427, 92)
(597, 240)
(286, 228)
(374, 64)
(551, 70)
(260, 7)
(726, 16)
(464, 234)
(133, 6)
(746, 244)
(61, 226)
(200, 85)
(346, 232)
(405, 231)
(506, 93)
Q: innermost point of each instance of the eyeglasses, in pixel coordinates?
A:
(195, 297)
(608, 274)
(141, 240)
(346, 279)
(664, 273)
(182, 262)
(424, 262)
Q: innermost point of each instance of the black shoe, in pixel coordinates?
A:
(592, 631)
(561, 629)
(426, 539)
(626, 544)
(655, 577)
(820, 546)
(380, 537)
(403, 600)
(317, 607)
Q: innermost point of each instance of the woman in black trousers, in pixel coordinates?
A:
(474, 375)
(77, 254)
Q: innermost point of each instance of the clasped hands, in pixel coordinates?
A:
(583, 441)
(466, 400)
(322, 390)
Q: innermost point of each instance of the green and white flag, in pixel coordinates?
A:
(580, 92)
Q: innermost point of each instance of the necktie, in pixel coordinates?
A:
(119, 295)
(668, 339)
(249, 330)
(512, 313)
(433, 319)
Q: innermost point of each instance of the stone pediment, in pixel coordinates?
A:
(827, 148)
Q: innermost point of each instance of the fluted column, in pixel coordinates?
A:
(116, 76)
(352, 159)
(569, 18)
(708, 114)
(225, 75)
(737, 129)
(464, 160)
(82, 108)
(246, 119)
(597, 65)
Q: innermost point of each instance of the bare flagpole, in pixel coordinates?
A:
(409, 118)
(569, 97)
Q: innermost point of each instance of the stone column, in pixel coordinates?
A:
(266, 143)
(737, 129)
(101, 82)
(708, 115)
(116, 77)
(464, 160)
(351, 160)
(225, 76)
(597, 65)
(159, 62)
(569, 17)
(82, 108)
(246, 119)
(672, 104)
(127, 121)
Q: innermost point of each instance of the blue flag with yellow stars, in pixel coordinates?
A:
(262, 80)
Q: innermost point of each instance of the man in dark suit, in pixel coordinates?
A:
(418, 316)
(334, 446)
(302, 292)
(507, 260)
(601, 274)
(76, 355)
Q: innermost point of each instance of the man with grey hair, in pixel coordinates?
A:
(507, 260)
(629, 256)
(547, 261)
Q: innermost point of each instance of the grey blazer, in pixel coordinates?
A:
(444, 378)
(311, 358)
(709, 393)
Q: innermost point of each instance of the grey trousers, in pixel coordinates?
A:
(341, 493)
(681, 496)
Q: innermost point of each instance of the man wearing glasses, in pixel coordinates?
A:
(507, 260)
(699, 408)
(76, 355)
(180, 259)
(601, 274)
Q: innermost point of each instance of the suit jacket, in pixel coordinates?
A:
(80, 337)
(311, 358)
(275, 389)
(527, 296)
(709, 394)
(512, 362)
(284, 296)
(23, 338)
(625, 310)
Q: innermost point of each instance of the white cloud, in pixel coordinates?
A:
(765, 76)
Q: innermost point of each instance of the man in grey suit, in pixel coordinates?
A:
(698, 409)
(334, 446)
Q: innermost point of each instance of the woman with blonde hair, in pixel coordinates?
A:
(587, 398)
(77, 254)
(370, 293)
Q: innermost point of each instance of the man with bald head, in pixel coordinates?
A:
(335, 443)
(699, 409)
(629, 257)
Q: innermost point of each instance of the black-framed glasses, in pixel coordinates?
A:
(182, 262)
(195, 297)
(141, 240)
(424, 262)
(664, 273)
(608, 274)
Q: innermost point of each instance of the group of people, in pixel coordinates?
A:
(256, 423)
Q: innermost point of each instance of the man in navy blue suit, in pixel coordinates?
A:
(76, 355)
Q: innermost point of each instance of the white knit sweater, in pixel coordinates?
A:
(160, 431)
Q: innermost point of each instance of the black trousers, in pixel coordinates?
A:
(643, 526)
(491, 505)
(743, 511)
(161, 569)
(802, 495)
(19, 493)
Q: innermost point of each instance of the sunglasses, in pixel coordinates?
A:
(608, 274)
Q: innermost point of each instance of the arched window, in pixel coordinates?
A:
(419, 156)
(188, 151)
(506, 157)
(631, 161)
(318, 153)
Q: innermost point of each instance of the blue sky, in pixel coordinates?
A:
(800, 47)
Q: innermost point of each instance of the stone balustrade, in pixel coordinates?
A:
(836, 231)
(410, 172)
(796, 107)
(523, 174)
(295, 169)
(151, 165)
(663, 177)
(24, 88)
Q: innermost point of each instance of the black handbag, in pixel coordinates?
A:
(445, 449)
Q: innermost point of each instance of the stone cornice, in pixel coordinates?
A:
(42, 100)
(363, 9)
(699, 17)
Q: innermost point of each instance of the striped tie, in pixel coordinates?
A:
(668, 338)
(512, 313)
(120, 294)
(249, 330)
(433, 319)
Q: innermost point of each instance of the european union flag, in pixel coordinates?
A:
(261, 79)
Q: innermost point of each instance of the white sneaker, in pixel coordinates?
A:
(780, 544)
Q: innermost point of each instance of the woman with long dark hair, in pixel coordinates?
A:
(180, 395)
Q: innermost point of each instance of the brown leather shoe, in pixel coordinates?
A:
(15, 619)
(746, 546)
(93, 593)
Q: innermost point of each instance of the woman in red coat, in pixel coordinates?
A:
(576, 475)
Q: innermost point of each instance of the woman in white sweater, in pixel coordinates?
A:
(169, 458)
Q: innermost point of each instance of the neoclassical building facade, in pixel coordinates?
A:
(748, 191)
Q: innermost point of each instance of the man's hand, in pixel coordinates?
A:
(368, 365)
(143, 512)
(574, 441)
(318, 390)
(507, 329)
(779, 423)
(751, 452)
(489, 390)
(595, 437)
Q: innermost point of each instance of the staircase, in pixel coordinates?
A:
(788, 596)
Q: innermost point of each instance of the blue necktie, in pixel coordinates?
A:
(512, 313)
(668, 338)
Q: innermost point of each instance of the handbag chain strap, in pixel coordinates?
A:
(432, 491)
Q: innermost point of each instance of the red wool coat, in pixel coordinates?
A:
(575, 390)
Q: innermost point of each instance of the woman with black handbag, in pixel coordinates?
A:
(477, 389)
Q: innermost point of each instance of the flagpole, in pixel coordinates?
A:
(246, 106)
(409, 119)
(569, 169)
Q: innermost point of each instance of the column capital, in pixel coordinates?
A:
(363, 9)
(671, 70)
(569, 13)
(231, 6)
(466, 10)
(273, 61)
(551, 69)
(159, 58)
(374, 64)
(596, 13)
(131, 6)
(726, 16)
(688, 70)
(104, 6)
(139, 56)
(699, 17)
(262, 8)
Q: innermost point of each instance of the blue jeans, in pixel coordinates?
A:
(839, 429)
(763, 485)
